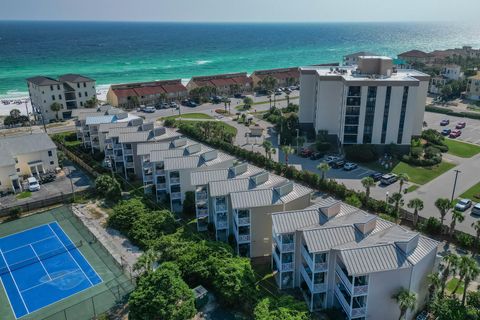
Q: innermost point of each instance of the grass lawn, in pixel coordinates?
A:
(23, 195)
(462, 149)
(189, 116)
(472, 193)
(412, 188)
(422, 175)
(451, 285)
(240, 106)
(226, 127)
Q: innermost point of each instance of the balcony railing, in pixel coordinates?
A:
(201, 196)
(321, 266)
(129, 164)
(282, 266)
(341, 299)
(307, 257)
(159, 172)
(287, 266)
(175, 195)
(117, 146)
(146, 165)
(221, 224)
(360, 290)
(118, 158)
(174, 180)
(108, 152)
(319, 287)
(148, 178)
(128, 152)
(344, 278)
(244, 221)
(202, 213)
(220, 207)
(359, 312)
(288, 247)
(243, 238)
(161, 186)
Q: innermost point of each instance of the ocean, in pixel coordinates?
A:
(118, 52)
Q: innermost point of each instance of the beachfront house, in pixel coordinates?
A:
(372, 103)
(223, 84)
(342, 257)
(285, 76)
(132, 95)
(70, 91)
(25, 156)
(413, 57)
(352, 59)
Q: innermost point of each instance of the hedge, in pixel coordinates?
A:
(449, 112)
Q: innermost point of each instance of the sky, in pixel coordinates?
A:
(241, 10)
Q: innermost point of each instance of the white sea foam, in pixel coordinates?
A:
(201, 62)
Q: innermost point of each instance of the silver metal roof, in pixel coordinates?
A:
(203, 177)
(99, 119)
(161, 155)
(12, 146)
(323, 239)
(145, 148)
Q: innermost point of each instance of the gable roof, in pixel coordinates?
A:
(72, 77)
(43, 81)
(415, 54)
(23, 144)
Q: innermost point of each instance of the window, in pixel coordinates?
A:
(59, 97)
(79, 94)
(84, 84)
(51, 88)
(18, 169)
(354, 91)
(81, 104)
(52, 163)
(50, 153)
(78, 85)
(86, 94)
(58, 87)
(403, 111)
(53, 97)
(369, 114)
(385, 114)
(16, 160)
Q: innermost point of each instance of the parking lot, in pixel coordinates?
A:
(471, 133)
(62, 185)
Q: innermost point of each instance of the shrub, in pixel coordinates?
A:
(353, 200)
(322, 146)
(431, 152)
(189, 203)
(283, 307)
(169, 122)
(149, 225)
(422, 162)
(360, 153)
(125, 214)
(108, 187)
(431, 226)
(465, 240)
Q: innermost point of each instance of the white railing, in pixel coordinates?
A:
(307, 257)
(148, 178)
(118, 158)
(160, 172)
(174, 180)
(243, 221)
(344, 278)
(321, 266)
(220, 207)
(128, 151)
(288, 247)
(319, 287)
(108, 152)
(202, 213)
(287, 266)
(201, 196)
(343, 302)
(359, 312)
(176, 195)
(117, 146)
(221, 224)
(161, 186)
(147, 165)
(360, 290)
(243, 238)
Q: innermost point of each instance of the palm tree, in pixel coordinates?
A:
(417, 205)
(434, 283)
(323, 167)
(471, 274)
(451, 267)
(456, 216)
(92, 102)
(269, 149)
(476, 227)
(406, 300)
(464, 265)
(367, 183)
(287, 150)
(402, 178)
(397, 200)
(15, 113)
(443, 205)
(55, 107)
(147, 261)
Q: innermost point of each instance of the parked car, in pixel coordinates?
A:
(476, 210)
(316, 156)
(216, 99)
(278, 92)
(305, 153)
(446, 132)
(287, 91)
(149, 109)
(388, 179)
(463, 204)
(376, 176)
(33, 184)
(349, 166)
(173, 104)
(455, 134)
(445, 122)
(337, 164)
(47, 177)
(461, 125)
(331, 159)
(239, 96)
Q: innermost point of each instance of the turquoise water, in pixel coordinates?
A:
(123, 52)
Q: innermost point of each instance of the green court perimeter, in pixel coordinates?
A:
(86, 304)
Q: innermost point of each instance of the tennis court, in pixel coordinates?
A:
(41, 266)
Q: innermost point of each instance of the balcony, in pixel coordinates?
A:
(319, 287)
(202, 196)
(161, 172)
(174, 180)
(129, 164)
(161, 186)
(128, 152)
(284, 246)
(221, 223)
(175, 195)
(321, 266)
(118, 158)
(345, 279)
(242, 238)
(108, 152)
(148, 178)
(283, 266)
(360, 290)
(342, 300)
(147, 165)
(202, 213)
(359, 312)
(117, 146)
(307, 257)
(243, 221)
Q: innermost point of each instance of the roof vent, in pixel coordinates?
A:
(179, 142)
(408, 246)
(193, 148)
(367, 226)
(122, 115)
(330, 211)
(135, 122)
(147, 126)
(284, 189)
(157, 132)
(239, 169)
(210, 155)
(260, 178)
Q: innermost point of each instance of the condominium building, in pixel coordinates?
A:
(450, 72)
(284, 76)
(224, 84)
(473, 87)
(372, 103)
(25, 156)
(352, 59)
(413, 57)
(130, 95)
(340, 256)
(239, 200)
(71, 91)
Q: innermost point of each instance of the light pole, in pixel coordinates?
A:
(71, 183)
(297, 139)
(455, 183)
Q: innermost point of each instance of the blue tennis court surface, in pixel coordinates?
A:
(41, 266)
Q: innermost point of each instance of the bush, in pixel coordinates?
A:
(189, 204)
(149, 225)
(431, 226)
(353, 200)
(361, 153)
(108, 187)
(283, 307)
(169, 122)
(322, 146)
(465, 240)
(437, 159)
(125, 214)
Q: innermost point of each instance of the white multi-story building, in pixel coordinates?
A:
(352, 59)
(340, 256)
(71, 91)
(372, 103)
(473, 87)
(24, 156)
(450, 72)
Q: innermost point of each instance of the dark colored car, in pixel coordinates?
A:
(47, 177)
(306, 153)
(446, 132)
(316, 156)
(376, 176)
(461, 125)
(338, 164)
(239, 96)
(445, 122)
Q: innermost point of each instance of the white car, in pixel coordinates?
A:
(33, 184)
(476, 209)
(350, 166)
(463, 204)
(331, 159)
